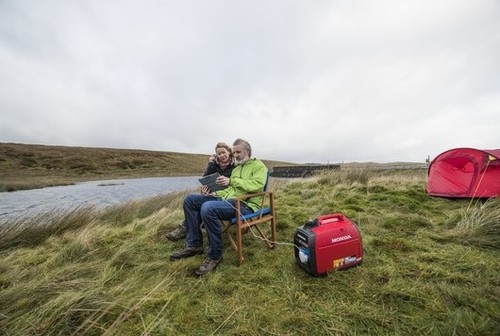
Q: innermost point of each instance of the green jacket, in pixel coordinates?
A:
(247, 178)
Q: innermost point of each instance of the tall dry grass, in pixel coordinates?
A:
(107, 272)
(479, 224)
(31, 231)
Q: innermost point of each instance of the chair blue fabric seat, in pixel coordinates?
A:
(259, 212)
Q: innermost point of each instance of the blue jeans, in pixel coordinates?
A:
(209, 210)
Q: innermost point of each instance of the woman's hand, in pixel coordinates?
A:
(206, 191)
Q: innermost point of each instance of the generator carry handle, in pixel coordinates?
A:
(331, 218)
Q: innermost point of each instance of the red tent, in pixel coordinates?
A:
(465, 172)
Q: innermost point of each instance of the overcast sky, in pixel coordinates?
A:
(302, 81)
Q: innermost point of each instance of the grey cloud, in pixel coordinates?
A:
(305, 82)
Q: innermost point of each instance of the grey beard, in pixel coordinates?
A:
(241, 161)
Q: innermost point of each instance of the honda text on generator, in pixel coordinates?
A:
(330, 242)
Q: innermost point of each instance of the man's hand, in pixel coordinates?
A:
(223, 181)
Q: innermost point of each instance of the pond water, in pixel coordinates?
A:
(95, 193)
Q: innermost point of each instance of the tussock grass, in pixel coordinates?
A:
(27, 183)
(479, 225)
(31, 231)
(107, 272)
(351, 176)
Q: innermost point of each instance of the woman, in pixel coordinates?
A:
(221, 162)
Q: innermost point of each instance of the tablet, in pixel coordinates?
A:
(209, 181)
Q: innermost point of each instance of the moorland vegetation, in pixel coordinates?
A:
(29, 166)
(430, 268)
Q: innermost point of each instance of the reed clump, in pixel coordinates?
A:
(31, 231)
(107, 272)
(479, 224)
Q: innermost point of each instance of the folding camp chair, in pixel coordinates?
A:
(243, 223)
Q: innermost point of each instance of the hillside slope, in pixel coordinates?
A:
(25, 166)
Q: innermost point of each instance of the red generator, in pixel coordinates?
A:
(330, 242)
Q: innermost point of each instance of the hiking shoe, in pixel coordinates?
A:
(207, 266)
(177, 233)
(186, 253)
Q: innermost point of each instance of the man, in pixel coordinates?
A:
(249, 176)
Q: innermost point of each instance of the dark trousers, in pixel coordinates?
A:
(210, 210)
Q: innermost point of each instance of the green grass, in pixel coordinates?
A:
(430, 268)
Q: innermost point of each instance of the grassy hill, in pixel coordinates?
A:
(430, 268)
(26, 166)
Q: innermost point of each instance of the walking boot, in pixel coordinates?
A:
(186, 253)
(177, 233)
(207, 266)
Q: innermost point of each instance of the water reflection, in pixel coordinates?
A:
(95, 193)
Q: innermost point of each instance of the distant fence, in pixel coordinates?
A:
(301, 170)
